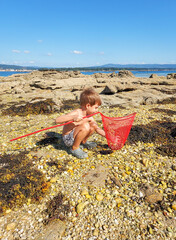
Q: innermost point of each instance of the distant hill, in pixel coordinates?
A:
(97, 68)
(143, 66)
(15, 67)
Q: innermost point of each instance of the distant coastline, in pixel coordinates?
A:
(137, 73)
(15, 70)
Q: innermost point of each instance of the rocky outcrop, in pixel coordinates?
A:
(171, 76)
(125, 73)
(122, 89)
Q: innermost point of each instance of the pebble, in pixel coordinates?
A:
(81, 206)
(174, 206)
(99, 197)
(11, 226)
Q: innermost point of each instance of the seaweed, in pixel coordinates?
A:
(155, 131)
(166, 111)
(57, 208)
(20, 181)
(40, 107)
(69, 105)
(167, 150)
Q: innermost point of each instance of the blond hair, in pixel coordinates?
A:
(89, 95)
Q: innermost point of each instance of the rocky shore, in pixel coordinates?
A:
(46, 193)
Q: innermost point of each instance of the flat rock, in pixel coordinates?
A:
(96, 177)
(53, 231)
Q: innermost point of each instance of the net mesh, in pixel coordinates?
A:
(117, 130)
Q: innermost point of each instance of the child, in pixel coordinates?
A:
(80, 130)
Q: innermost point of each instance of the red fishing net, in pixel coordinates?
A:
(117, 130)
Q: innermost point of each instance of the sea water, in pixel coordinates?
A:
(145, 73)
(136, 73)
(9, 73)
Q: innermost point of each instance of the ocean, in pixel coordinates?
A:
(136, 73)
(6, 74)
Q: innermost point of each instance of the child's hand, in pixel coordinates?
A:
(77, 118)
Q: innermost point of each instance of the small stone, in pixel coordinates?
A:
(96, 232)
(174, 207)
(169, 209)
(169, 229)
(84, 192)
(11, 226)
(118, 201)
(145, 162)
(8, 210)
(116, 180)
(153, 198)
(53, 180)
(88, 196)
(99, 197)
(174, 167)
(150, 230)
(81, 206)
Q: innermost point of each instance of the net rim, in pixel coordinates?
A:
(120, 118)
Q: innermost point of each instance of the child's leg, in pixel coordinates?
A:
(92, 130)
(81, 134)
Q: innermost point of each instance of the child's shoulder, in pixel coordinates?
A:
(77, 111)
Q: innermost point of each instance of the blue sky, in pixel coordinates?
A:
(71, 33)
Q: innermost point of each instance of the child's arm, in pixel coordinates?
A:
(72, 116)
(99, 130)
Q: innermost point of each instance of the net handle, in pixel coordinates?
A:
(44, 129)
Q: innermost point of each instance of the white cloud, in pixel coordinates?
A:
(15, 51)
(26, 51)
(49, 54)
(31, 62)
(77, 52)
(40, 41)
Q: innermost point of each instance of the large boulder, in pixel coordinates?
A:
(153, 76)
(125, 73)
(171, 75)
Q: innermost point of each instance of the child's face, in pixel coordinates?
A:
(92, 109)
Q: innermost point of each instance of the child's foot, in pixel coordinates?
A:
(89, 145)
(78, 153)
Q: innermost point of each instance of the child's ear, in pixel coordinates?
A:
(87, 105)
